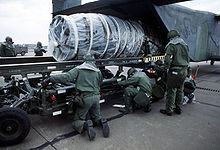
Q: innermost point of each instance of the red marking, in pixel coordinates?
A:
(151, 71)
(193, 76)
(196, 74)
(53, 98)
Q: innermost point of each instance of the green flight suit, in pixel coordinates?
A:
(87, 79)
(134, 95)
(39, 51)
(7, 50)
(177, 61)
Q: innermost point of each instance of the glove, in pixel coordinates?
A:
(45, 82)
(122, 77)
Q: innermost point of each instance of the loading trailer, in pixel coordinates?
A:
(24, 93)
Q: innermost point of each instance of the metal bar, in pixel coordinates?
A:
(44, 67)
(21, 60)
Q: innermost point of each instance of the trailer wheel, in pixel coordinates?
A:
(14, 126)
(212, 62)
(22, 53)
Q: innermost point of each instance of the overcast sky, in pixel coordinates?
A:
(27, 21)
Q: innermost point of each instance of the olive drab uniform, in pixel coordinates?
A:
(177, 61)
(7, 50)
(39, 50)
(138, 94)
(87, 78)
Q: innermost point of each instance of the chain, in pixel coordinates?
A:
(207, 89)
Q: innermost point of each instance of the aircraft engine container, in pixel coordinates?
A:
(70, 37)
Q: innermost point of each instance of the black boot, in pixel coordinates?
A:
(105, 127)
(126, 111)
(163, 111)
(177, 111)
(190, 96)
(147, 108)
(88, 126)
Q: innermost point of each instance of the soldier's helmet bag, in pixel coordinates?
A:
(189, 87)
(141, 99)
(176, 78)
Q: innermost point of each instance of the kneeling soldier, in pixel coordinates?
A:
(138, 92)
(87, 78)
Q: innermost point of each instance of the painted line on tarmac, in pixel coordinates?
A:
(43, 145)
(67, 135)
(204, 103)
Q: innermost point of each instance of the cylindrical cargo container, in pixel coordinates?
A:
(70, 37)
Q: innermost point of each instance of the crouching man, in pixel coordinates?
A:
(138, 93)
(87, 78)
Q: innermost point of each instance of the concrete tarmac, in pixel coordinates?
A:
(197, 128)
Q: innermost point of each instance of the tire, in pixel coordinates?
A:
(212, 62)
(14, 126)
(22, 53)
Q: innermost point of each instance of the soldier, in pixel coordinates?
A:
(7, 48)
(39, 50)
(87, 78)
(138, 92)
(176, 61)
